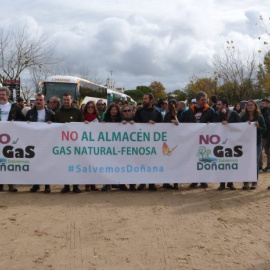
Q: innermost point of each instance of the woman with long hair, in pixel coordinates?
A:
(171, 117)
(237, 108)
(90, 114)
(113, 115)
(252, 115)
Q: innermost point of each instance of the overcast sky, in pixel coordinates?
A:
(144, 40)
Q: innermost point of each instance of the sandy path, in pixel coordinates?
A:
(197, 229)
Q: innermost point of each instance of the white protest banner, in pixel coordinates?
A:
(104, 153)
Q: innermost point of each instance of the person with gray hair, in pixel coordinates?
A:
(200, 112)
(9, 112)
(54, 104)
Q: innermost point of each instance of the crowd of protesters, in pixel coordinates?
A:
(167, 111)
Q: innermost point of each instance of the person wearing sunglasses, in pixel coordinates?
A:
(90, 113)
(127, 117)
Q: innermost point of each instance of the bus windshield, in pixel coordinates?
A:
(58, 89)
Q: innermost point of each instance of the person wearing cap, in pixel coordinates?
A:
(193, 101)
(200, 112)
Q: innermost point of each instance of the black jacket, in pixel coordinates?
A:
(128, 119)
(266, 117)
(144, 115)
(168, 118)
(208, 115)
(67, 115)
(33, 114)
(109, 119)
(260, 130)
(230, 117)
(15, 113)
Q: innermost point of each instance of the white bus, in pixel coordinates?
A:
(80, 89)
(56, 86)
(115, 96)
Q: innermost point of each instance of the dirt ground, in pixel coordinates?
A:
(185, 229)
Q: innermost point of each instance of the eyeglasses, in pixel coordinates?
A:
(100, 104)
(90, 107)
(126, 110)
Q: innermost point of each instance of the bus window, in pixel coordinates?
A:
(92, 90)
(57, 89)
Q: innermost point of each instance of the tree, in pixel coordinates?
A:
(27, 92)
(236, 69)
(263, 75)
(86, 73)
(158, 90)
(139, 92)
(39, 74)
(205, 84)
(20, 49)
(265, 37)
(179, 95)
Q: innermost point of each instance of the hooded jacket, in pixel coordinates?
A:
(208, 115)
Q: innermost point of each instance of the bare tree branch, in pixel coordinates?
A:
(20, 49)
(233, 68)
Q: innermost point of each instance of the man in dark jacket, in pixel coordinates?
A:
(225, 116)
(40, 114)
(266, 136)
(150, 115)
(9, 112)
(67, 114)
(200, 112)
